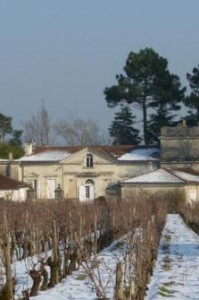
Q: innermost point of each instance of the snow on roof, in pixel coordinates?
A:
(186, 176)
(51, 155)
(158, 176)
(141, 154)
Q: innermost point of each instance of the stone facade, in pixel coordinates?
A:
(180, 147)
(191, 191)
(84, 174)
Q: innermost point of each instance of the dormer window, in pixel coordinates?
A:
(89, 160)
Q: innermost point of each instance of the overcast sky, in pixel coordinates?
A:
(66, 52)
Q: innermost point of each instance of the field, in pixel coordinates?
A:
(50, 247)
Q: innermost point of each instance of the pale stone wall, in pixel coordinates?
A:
(139, 191)
(3, 167)
(180, 165)
(180, 146)
(192, 193)
(75, 174)
(41, 172)
(15, 171)
(17, 195)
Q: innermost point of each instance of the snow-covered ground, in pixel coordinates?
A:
(176, 274)
(78, 285)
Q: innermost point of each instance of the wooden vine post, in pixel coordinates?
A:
(119, 289)
(9, 282)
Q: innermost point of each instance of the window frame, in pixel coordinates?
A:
(89, 160)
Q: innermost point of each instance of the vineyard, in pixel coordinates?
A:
(54, 239)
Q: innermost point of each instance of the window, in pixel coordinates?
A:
(89, 160)
(36, 187)
(89, 189)
(35, 184)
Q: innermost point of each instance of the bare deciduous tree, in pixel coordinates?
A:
(76, 131)
(38, 128)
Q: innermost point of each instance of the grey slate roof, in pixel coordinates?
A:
(141, 154)
(121, 153)
(50, 155)
(164, 176)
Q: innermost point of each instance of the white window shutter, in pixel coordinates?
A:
(38, 189)
(82, 193)
(51, 186)
(92, 192)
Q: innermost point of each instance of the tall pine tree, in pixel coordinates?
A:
(149, 86)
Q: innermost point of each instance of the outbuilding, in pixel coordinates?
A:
(158, 181)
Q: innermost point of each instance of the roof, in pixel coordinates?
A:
(141, 154)
(164, 176)
(114, 150)
(187, 176)
(123, 153)
(58, 153)
(48, 155)
(6, 183)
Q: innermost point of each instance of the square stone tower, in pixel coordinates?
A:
(180, 147)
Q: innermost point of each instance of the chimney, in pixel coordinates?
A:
(10, 156)
(28, 147)
(184, 123)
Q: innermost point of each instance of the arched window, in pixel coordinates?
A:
(89, 181)
(89, 160)
(89, 189)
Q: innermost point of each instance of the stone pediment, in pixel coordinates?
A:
(99, 156)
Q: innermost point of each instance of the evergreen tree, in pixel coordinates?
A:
(147, 84)
(121, 129)
(16, 138)
(5, 126)
(10, 140)
(162, 117)
(192, 101)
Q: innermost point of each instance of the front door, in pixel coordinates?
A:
(87, 191)
(51, 186)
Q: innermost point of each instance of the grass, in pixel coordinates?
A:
(166, 266)
(81, 276)
(167, 237)
(165, 292)
(169, 283)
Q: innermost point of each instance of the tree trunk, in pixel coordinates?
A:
(145, 129)
(73, 261)
(54, 271)
(54, 262)
(45, 279)
(36, 277)
(66, 263)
